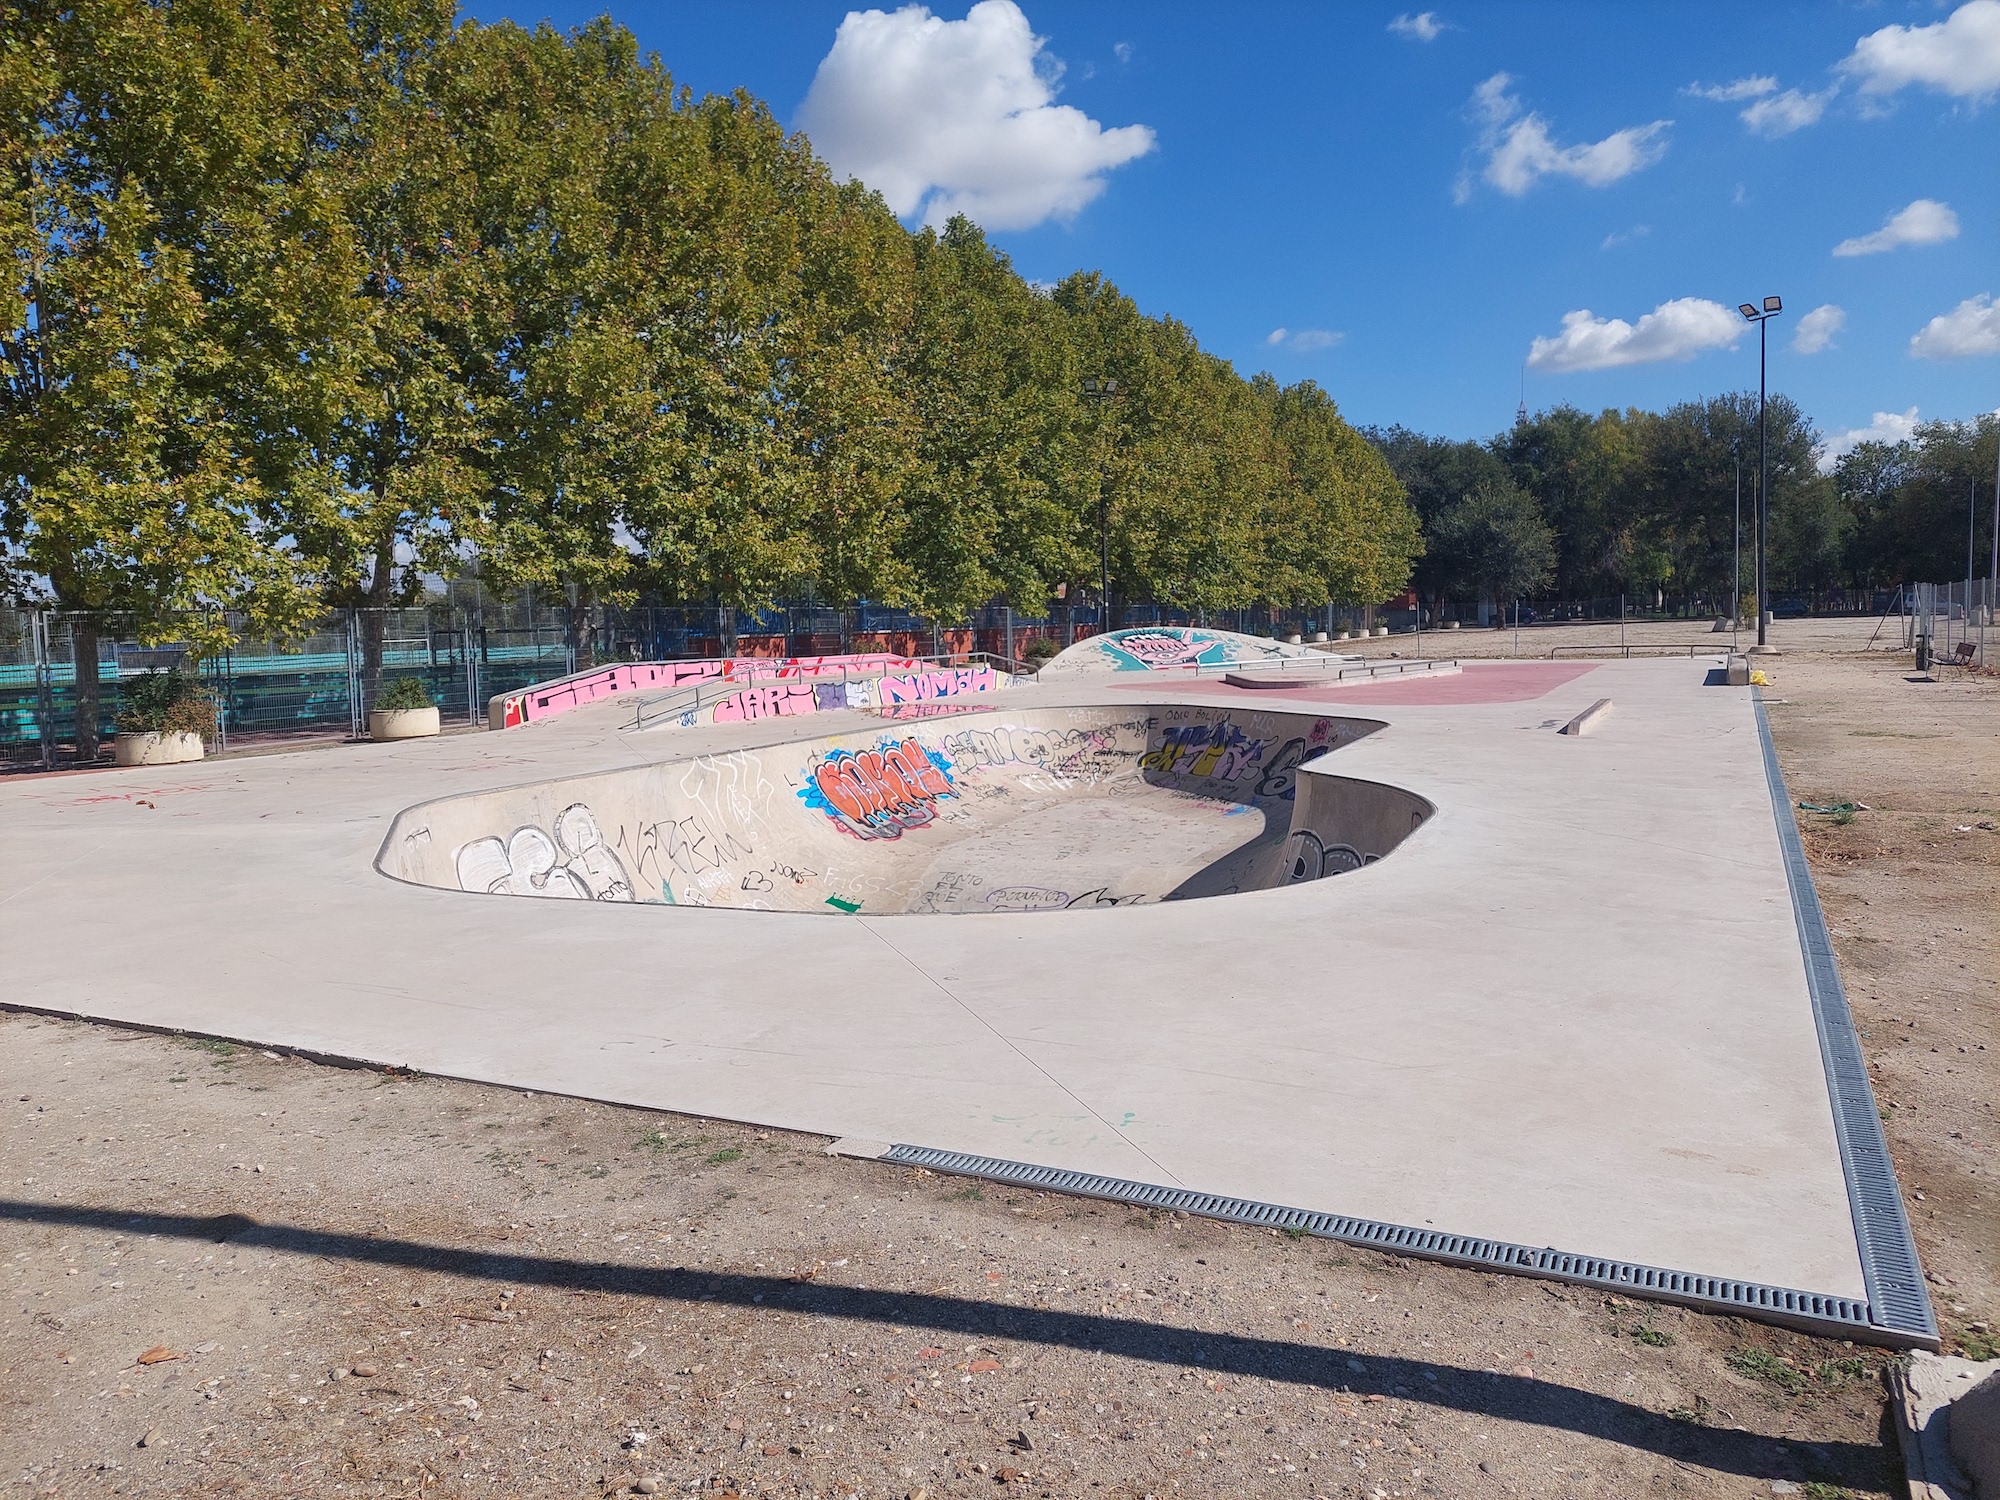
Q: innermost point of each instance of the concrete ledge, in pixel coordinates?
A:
(1245, 680)
(1589, 719)
(1925, 1394)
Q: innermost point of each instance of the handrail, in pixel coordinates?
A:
(1693, 648)
(1338, 666)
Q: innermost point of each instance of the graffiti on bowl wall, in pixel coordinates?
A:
(574, 863)
(878, 794)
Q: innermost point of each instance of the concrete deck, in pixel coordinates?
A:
(1571, 1010)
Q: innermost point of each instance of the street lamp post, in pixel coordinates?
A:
(1760, 316)
(1104, 390)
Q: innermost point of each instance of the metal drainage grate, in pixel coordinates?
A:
(1897, 1300)
(1811, 1311)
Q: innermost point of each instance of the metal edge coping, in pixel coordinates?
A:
(1897, 1300)
(1812, 1312)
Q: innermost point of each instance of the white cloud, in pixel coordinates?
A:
(1753, 87)
(1972, 328)
(1781, 114)
(1520, 151)
(1303, 340)
(1122, 51)
(1625, 236)
(959, 117)
(1817, 328)
(1888, 427)
(1679, 329)
(1924, 222)
(1959, 55)
(1771, 112)
(1422, 27)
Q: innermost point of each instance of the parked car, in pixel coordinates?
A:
(1789, 609)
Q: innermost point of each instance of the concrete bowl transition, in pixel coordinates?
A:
(1038, 811)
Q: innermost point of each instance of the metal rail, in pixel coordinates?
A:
(1693, 649)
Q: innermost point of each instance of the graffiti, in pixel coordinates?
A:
(1220, 752)
(548, 698)
(922, 686)
(1159, 649)
(877, 794)
(1280, 778)
(1027, 898)
(786, 700)
(1308, 857)
(576, 863)
(1090, 900)
(694, 848)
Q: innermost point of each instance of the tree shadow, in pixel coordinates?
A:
(1506, 1397)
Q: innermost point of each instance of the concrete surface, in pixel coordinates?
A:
(1570, 1010)
(1948, 1421)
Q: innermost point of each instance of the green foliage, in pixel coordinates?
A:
(309, 304)
(401, 694)
(166, 702)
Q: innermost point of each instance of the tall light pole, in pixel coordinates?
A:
(1103, 391)
(1772, 307)
(1736, 544)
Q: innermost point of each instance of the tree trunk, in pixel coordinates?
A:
(83, 650)
(374, 622)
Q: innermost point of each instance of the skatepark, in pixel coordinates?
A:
(1389, 959)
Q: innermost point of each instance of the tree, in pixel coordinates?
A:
(151, 187)
(992, 385)
(1341, 529)
(1494, 543)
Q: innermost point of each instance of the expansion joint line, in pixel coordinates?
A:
(1009, 1043)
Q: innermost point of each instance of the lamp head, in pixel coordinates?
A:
(1747, 310)
(1773, 304)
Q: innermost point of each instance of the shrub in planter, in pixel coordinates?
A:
(163, 719)
(403, 711)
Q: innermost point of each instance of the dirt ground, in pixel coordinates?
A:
(235, 1273)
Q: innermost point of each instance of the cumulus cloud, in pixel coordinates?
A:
(1924, 222)
(1959, 55)
(1520, 151)
(1771, 112)
(1817, 328)
(1970, 329)
(953, 117)
(1303, 340)
(1888, 427)
(1679, 329)
(1781, 114)
(1422, 27)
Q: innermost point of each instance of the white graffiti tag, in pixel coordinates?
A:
(576, 864)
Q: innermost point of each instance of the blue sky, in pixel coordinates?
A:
(1365, 179)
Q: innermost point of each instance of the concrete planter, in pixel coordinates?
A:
(402, 723)
(156, 749)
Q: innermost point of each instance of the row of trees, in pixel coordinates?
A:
(306, 304)
(1574, 506)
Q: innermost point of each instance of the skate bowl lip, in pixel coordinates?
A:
(1317, 764)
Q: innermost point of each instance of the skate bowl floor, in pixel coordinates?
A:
(1048, 810)
(1579, 1018)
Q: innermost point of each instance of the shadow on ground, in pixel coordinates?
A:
(1505, 1397)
